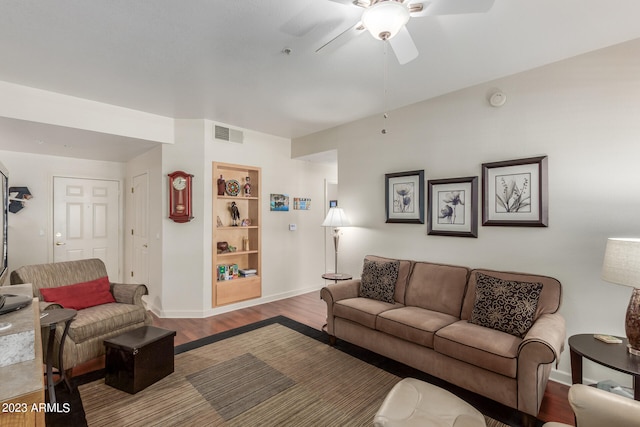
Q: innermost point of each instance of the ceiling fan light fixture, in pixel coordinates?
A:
(385, 19)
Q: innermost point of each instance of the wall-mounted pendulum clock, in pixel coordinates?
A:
(180, 196)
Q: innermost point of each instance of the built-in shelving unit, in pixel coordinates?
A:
(244, 240)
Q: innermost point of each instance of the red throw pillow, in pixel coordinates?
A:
(80, 295)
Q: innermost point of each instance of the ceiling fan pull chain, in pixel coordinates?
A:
(385, 116)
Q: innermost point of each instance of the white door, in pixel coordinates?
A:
(85, 221)
(140, 230)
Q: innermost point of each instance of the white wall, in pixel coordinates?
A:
(583, 113)
(180, 254)
(36, 105)
(292, 261)
(182, 262)
(30, 230)
(151, 164)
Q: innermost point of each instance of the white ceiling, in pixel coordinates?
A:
(222, 60)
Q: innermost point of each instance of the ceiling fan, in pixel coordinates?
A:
(386, 20)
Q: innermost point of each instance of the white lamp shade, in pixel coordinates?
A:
(336, 218)
(385, 19)
(622, 262)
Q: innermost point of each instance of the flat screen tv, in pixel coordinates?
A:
(4, 197)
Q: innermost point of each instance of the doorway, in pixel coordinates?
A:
(140, 229)
(86, 221)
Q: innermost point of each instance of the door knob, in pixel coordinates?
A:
(60, 243)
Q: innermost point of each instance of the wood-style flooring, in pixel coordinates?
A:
(310, 310)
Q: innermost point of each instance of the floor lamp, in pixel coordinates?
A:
(622, 266)
(336, 218)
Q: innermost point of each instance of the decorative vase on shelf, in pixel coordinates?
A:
(247, 187)
(221, 186)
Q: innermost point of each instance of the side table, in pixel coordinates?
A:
(614, 356)
(50, 319)
(337, 276)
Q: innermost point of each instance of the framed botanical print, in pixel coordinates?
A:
(515, 193)
(453, 207)
(404, 196)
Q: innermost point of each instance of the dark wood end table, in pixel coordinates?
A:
(614, 356)
(337, 276)
(50, 319)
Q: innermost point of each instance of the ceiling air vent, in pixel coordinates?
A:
(225, 134)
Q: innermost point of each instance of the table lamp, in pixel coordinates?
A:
(336, 218)
(622, 266)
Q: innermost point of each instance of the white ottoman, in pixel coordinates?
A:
(413, 402)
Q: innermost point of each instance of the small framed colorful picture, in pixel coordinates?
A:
(279, 202)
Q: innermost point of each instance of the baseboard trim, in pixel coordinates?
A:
(201, 314)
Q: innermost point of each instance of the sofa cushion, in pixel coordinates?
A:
(362, 310)
(58, 274)
(80, 295)
(413, 324)
(484, 347)
(505, 305)
(550, 297)
(102, 319)
(378, 279)
(437, 287)
(404, 271)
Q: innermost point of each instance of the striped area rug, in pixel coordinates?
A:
(269, 375)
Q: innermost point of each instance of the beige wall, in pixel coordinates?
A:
(583, 113)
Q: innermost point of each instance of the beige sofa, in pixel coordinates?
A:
(427, 326)
(92, 325)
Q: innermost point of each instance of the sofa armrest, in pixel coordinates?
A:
(540, 348)
(336, 292)
(550, 330)
(341, 290)
(128, 293)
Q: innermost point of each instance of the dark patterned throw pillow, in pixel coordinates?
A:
(379, 279)
(505, 305)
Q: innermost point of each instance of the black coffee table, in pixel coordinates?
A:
(138, 358)
(614, 356)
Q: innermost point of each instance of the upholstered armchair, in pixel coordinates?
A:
(115, 309)
(598, 408)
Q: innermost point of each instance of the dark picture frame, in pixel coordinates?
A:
(453, 207)
(404, 197)
(516, 193)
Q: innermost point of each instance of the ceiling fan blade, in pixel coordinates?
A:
(361, 3)
(341, 38)
(418, 8)
(448, 7)
(403, 46)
